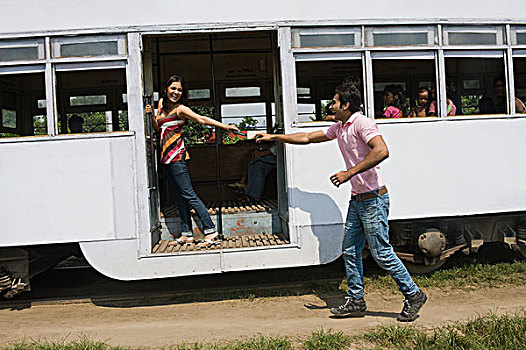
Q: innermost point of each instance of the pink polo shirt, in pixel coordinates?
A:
(353, 137)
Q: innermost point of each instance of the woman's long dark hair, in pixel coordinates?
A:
(164, 90)
(399, 97)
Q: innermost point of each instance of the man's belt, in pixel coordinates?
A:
(369, 195)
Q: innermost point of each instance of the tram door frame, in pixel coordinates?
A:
(147, 40)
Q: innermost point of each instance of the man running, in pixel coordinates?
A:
(363, 148)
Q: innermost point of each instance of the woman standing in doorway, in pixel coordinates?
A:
(170, 120)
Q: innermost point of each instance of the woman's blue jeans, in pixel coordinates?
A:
(186, 198)
(367, 220)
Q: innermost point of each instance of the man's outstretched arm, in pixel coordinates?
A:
(299, 138)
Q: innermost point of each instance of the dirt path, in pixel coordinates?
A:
(295, 317)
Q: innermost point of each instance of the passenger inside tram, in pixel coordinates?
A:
(394, 101)
(259, 164)
(75, 124)
(499, 85)
(421, 109)
(451, 107)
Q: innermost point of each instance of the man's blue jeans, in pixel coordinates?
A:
(186, 198)
(367, 220)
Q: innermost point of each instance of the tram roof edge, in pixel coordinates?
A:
(61, 16)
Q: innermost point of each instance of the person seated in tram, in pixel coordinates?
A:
(260, 165)
(75, 124)
(487, 106)
(394, 100)
(171, 118)
(422, 104)
(450, 106)
(499, 85)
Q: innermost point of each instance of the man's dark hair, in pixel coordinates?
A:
(349, 91)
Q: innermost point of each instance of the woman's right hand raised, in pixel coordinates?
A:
(148, 109)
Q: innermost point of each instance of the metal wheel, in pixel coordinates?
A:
(420, 269)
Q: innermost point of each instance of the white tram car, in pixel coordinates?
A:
(455, 181)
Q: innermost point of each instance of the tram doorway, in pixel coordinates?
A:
(233, 78)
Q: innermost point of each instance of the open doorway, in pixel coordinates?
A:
(230, 77)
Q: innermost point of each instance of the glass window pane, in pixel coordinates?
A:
(89, 49)
(519, 69)
(19, 96)
(197, 94)
(40, 124)
(316, 82)
(521, 38)
(87, 100)
(91, 101)
(21, 50)
(253, 91)
(247, 116)
(403, 88)
(398, 39)
(18, 53)
(8, 118)
(481, 85)
(462, 38)
(327, 40)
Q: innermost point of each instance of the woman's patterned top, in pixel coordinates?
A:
(172, 143)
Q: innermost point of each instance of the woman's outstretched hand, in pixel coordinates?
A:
(231, 127)
(148, 109)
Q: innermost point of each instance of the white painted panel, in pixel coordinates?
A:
(64, 14)
(443, 168)
(66, 189)
(118, 259)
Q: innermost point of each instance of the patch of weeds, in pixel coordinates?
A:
(322, 340)
(81, 344)
(490, 333)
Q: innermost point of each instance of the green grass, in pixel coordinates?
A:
(492, 332)
(322, 340)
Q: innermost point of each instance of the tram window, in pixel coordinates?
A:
(326, 37)
(402, 88)
(251, 91)
(21, 50)
(8, 118)
(82, 46)
(476, 35)
(400, 36)
(316, 82)
(247, 116)
(198, 94)
(476, 85)
(91, 101)
(21, 100)
(519, 68)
